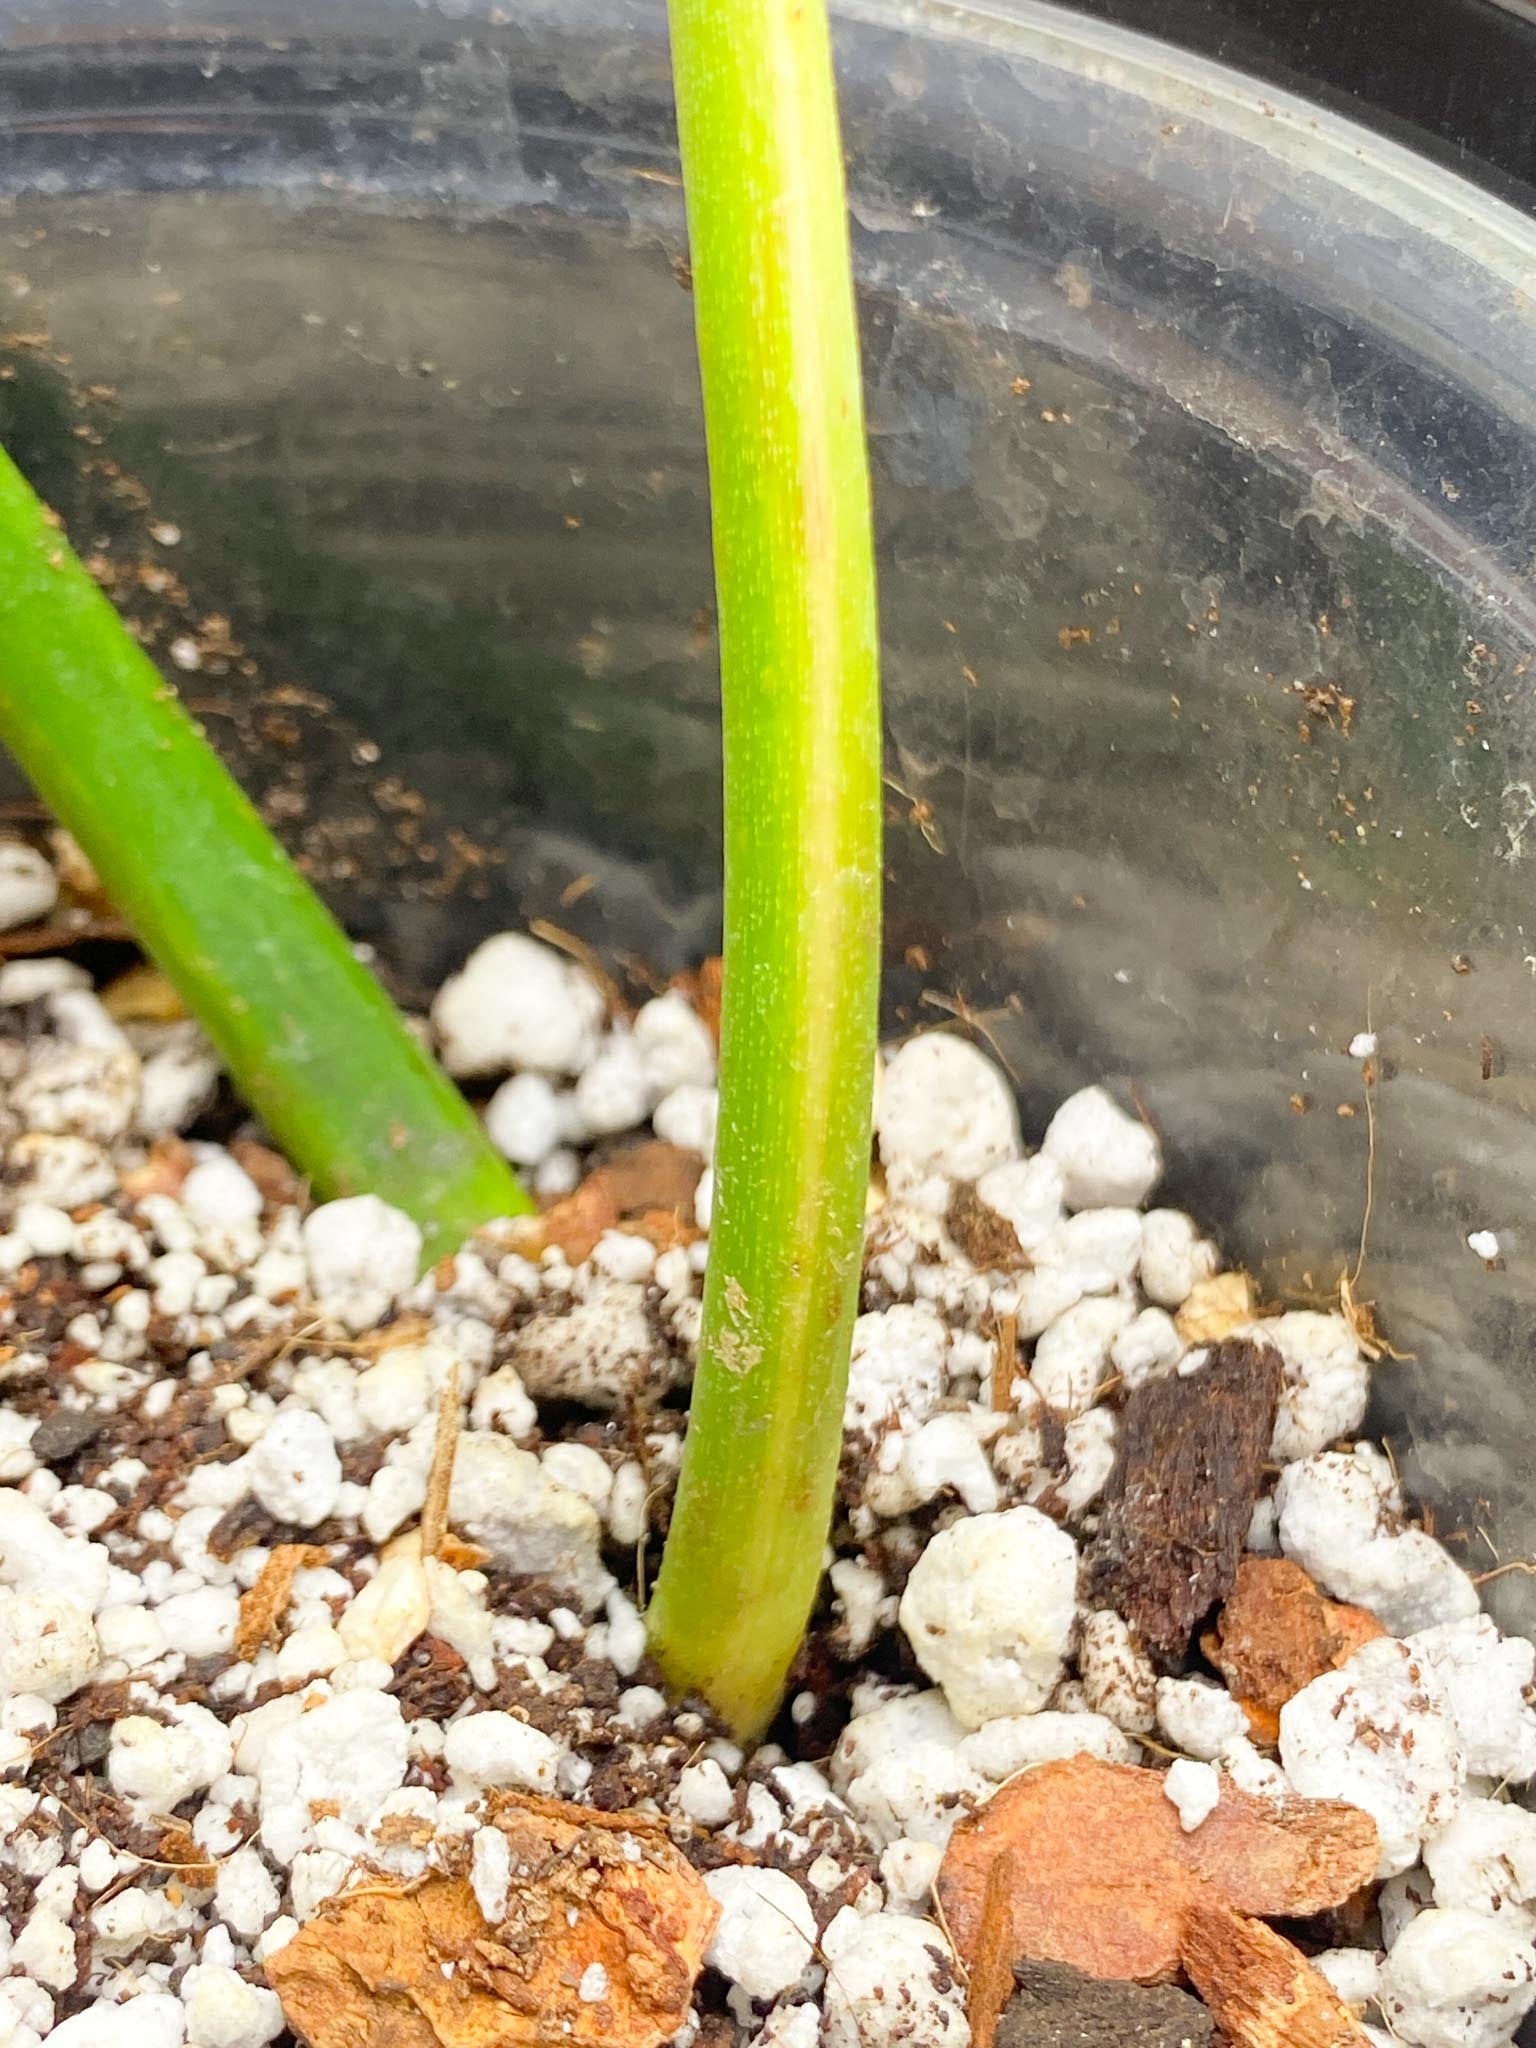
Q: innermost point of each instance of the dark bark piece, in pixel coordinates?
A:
(67, 1430)
(1177, 1508)
(1056, 2006)
(246, 1522)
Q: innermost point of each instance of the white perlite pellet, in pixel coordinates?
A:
(28, 886)
(516, 1003)
(1341, 1517)
(1455, 1979)
(498, 1749)
(294, 1470)
(942, 1107)
(48, 1645)
(363, 1255)
(1378, 1735)
(1485, 1861)
(891, 1983)
(766, 1932)
(1107, 1158)
(989, 1610)
(1193, 1790)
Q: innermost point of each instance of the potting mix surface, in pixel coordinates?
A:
(1138, 1707)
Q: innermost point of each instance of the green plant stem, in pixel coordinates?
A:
(794, 575)
(314, 1044)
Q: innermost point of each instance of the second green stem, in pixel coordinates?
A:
(315, 1045)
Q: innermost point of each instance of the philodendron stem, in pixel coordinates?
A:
(794, 575)
(314, 1044)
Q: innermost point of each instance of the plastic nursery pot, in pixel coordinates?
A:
(1204, 428)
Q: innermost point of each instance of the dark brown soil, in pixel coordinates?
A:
(1056, 2006)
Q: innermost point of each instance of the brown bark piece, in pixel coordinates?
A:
(262, 1605)
(1176, 1511)
(1059, 2007)
(445, 1444)
(991, 1976)
(59, 935)
(648, 1187)
(142, 995)
(1262, 1992)
(77, 874)
(650, 1175)
(1276, 1633)
(1104, 1876)
(409, 1328)
(574, 1223)
(180, 1853)
(1215, 1308)
(598, 1903)
(987, 1239)
(166, 1166)
(702, 986)
(276, 1179)
(663, 1228)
